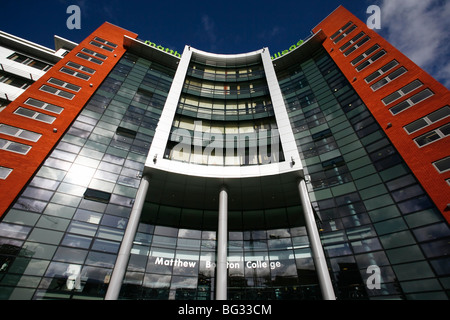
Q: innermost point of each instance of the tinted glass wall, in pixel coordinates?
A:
(174, 255)
(372, 210)
(61, 238)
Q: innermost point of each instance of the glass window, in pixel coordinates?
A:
(106, 42)
(71, 255)
(34, 115)
(344, 34)
(427, 138)
(432, 232)
(89, 58)
(57, 92)
(392, 76)
(14, 146)
(402, 92)
(101, 46)
(43, 105)
(416, 125)
(5, 172)
(75, 73)
(433, 136)
(64, 84)
(80, 67)
(72, 240)
(419, 97)
(81, 228)
(106, 246)
(23, 59)
(439, 114)
(357, 45)
(365, 54)
(353, 40)
(442, 165)
(348, 24)
(94, 53)
(97, 195)
(382, 71)
(371, 60)
(15, 81)
(19, 133)
(14, 231)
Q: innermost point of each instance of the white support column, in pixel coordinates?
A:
(121, 264)
(314, 238)
(222, 244)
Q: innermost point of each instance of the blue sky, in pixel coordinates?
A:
(235, 26)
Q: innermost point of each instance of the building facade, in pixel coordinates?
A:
(129, 171)
(23, 62)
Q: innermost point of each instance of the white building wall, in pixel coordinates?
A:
(10, 44)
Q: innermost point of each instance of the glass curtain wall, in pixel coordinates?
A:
(174, 255)
(60, 240)
(373, 211)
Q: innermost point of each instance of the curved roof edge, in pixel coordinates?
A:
(303, 51)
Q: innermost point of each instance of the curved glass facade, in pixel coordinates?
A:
(225, 116)
(174, 255)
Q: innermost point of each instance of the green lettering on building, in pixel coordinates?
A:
(293, 47)
(160, 47)
(175, 53)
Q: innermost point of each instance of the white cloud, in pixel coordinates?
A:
(209, 31)
(420, 29)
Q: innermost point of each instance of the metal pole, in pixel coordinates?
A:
(222, 243)
(318, 254)
(120, 267)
